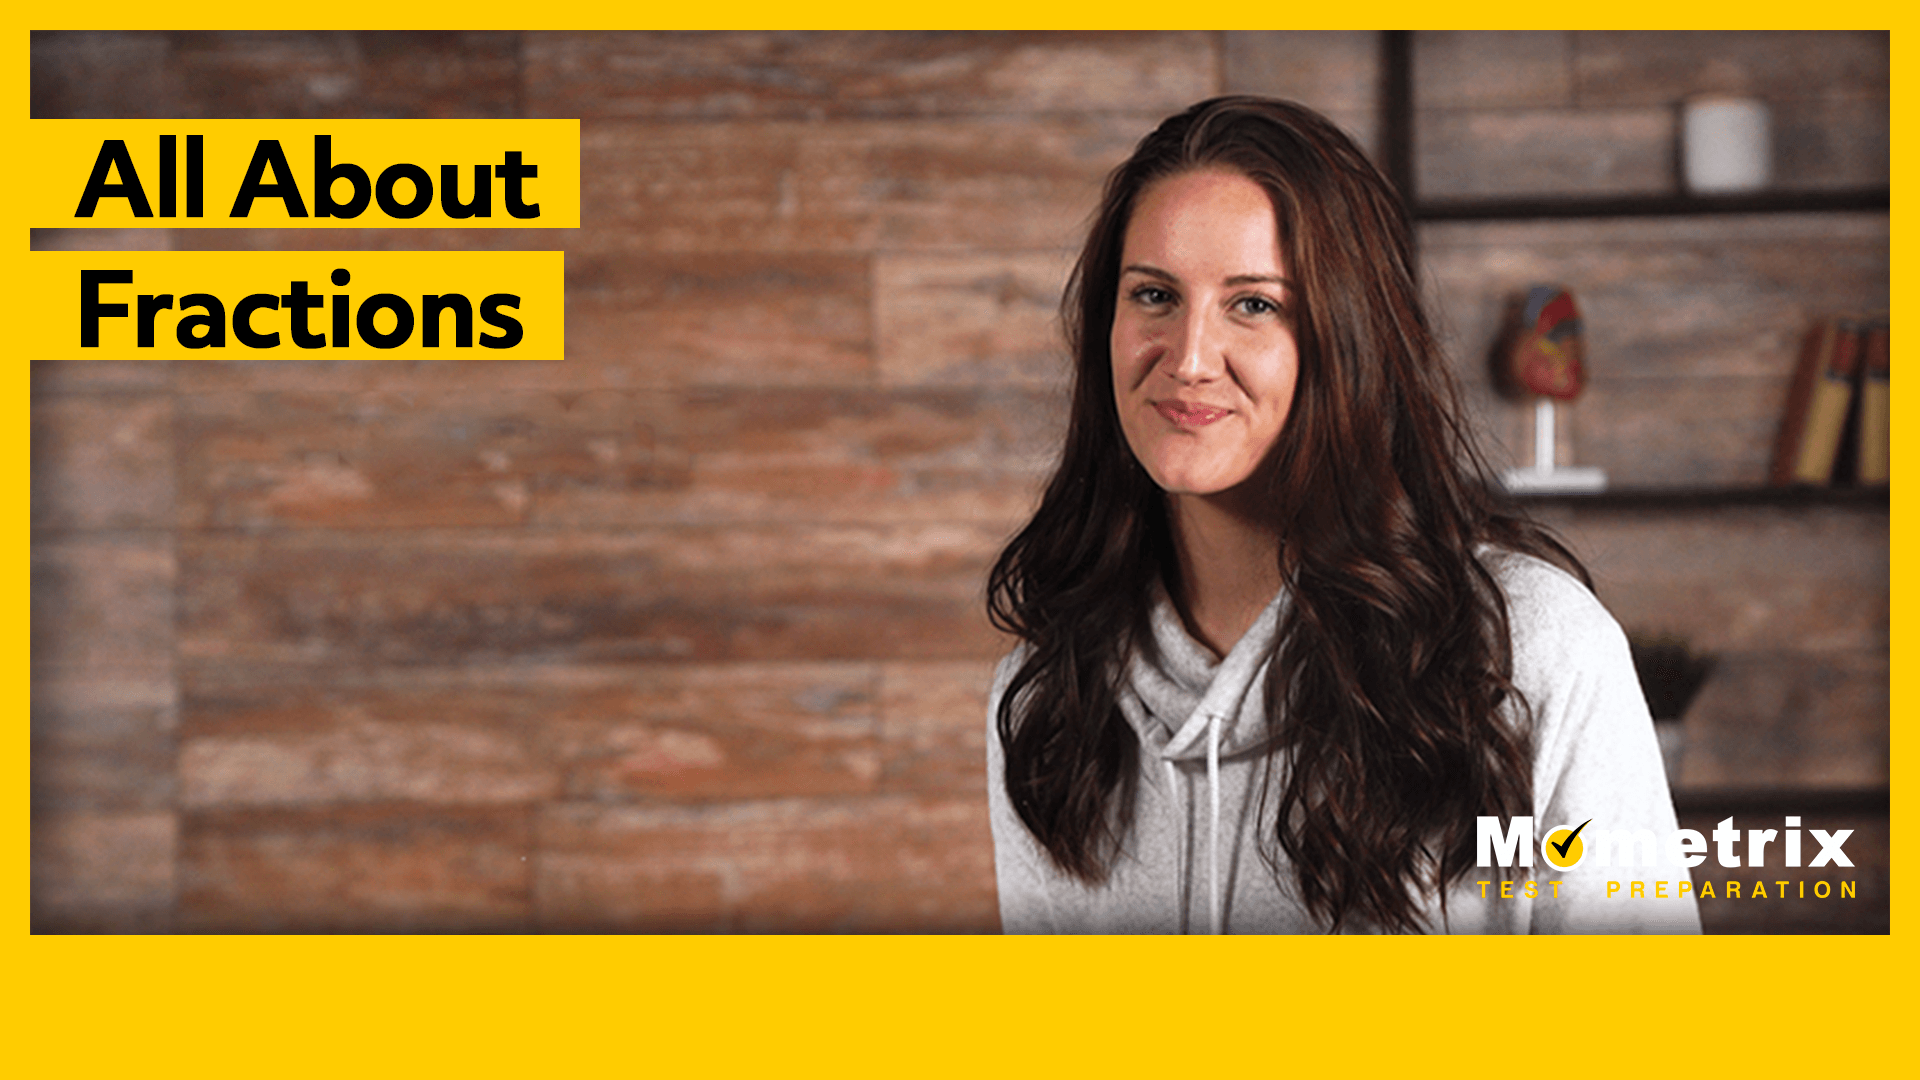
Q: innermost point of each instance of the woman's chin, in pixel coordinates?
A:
(1193, 483)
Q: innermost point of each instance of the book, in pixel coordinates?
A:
(1873, 448)
(1817, 405)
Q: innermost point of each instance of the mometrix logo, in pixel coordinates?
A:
(1567, 846)
(1561, 847)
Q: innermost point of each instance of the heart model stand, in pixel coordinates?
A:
(1544, 475)
(1544, 357)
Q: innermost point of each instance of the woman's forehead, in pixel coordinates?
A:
(1207, 223)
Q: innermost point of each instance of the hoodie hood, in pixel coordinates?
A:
(1173, 697)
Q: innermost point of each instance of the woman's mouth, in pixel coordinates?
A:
(1188, 415)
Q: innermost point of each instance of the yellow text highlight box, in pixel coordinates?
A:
(262, 174)
(290, 305)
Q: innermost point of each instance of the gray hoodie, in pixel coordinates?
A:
(1191, 861)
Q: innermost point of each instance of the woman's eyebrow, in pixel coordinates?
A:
(1237, 279)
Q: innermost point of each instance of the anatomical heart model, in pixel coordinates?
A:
(1543, 355)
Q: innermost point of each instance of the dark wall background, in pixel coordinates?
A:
(685, 632)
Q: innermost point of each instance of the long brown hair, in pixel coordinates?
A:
(1390, 692)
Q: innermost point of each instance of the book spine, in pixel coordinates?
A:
(1827, 409)
(1876, 417)
(1814, 357)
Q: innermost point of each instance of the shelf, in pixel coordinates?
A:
(1397, 116)
(1788, 800)
(1864, 498)
(1769, 202)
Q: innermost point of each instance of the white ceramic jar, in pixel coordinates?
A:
(1727, 145)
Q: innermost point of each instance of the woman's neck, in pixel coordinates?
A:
(1229, 566)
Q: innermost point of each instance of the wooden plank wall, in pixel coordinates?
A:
(685, 632)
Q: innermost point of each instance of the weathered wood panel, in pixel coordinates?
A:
(1759, 579)
(834, 186)
(416, 459)
(725, 732)
(103, 605)
(695, 594)
(1790, 720)
(103, 872)
(102, 461)
(103, 741)
(1335, 72)
(986, 318)
(374, 869)
(1493, 69)
(810, 75)
(648, 733)
(933, 725)
(1627, 67)
(704, 319)
(1543, 152)
(237, 73)
(881, 865)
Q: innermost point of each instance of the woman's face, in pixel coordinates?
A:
(1203, 352)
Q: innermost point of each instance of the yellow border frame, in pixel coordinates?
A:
(545, 1006)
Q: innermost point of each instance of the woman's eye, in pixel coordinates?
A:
(1256, 305)
(1152, 295)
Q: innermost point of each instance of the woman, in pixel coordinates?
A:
(1279, 652)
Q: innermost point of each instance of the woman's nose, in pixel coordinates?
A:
(1198, 359)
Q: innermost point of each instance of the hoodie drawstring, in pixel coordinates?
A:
(1213, 844)
(1177, 792)
(1180, 793)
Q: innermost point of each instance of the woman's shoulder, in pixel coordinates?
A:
(1552, 615)
(1004, 671)
(1003, 674)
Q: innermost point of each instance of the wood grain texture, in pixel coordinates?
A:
(811, 75)
(527, 734)
(972, 319)
(1625, 67)
(1790, 720)
(53, 378)
(705, 319)
(103, 605)
(1492, 153)
(287, 745)
(1761, 579)
(1334, 72)
(102, 461)
(1831, 143)
(103, 872)
(689, 594)
(880, 865)
(387, 868)
(934, 725)
(721, 733)
(832, 186)
(1493, 69)
(911, 455)
(111, 751)
(457, 457)
(300, 74)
